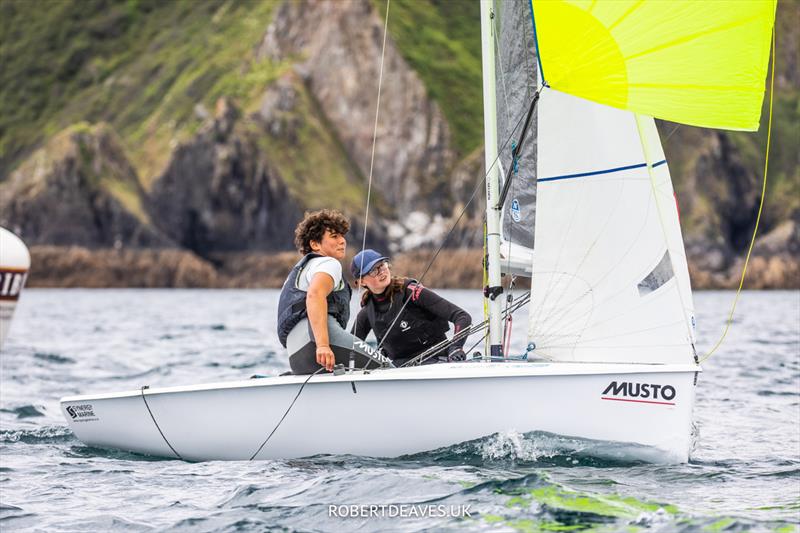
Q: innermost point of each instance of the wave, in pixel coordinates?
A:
(53, 358)
(538, 448)
(91, 452)
(42, 435)
(25, 411)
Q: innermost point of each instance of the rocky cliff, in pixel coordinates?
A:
(159, 129)
(79, 189)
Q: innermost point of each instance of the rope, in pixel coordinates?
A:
(157, 426)
(485, 282)
(654, 187)
(271, 433)
(507, 340)
(760, 208)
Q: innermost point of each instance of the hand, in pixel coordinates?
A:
(325, 357)
(456, 354)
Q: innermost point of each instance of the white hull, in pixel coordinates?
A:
(15, 260)
(394, 412)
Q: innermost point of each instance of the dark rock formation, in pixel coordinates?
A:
(81, 190)
(219, 192)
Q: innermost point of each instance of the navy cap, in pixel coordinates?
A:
(365, 261)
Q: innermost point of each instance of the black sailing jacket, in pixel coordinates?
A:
(424, 321)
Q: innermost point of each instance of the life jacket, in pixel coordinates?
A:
(292, 302)
(414, 331)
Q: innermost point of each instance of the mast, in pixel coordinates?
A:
(492, 179)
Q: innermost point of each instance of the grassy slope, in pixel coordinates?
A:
(441, 40)
(143, 66)
(311, 160)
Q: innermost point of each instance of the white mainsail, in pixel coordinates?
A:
(610, 279)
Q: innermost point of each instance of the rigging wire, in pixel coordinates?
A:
(760, 208)
(437, 348)
(374, 142)
(296, 396)
(152, 416)
(455, 223)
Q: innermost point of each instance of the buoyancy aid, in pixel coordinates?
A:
(414, 331)
(292, 302)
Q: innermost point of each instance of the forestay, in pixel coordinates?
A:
(610, 279)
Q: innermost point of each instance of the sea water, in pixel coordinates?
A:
(744, 472)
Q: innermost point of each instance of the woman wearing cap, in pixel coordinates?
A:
(422, 323)
(314, 304)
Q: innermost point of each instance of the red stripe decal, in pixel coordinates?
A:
(636, 401)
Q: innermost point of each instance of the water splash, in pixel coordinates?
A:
(514, 446)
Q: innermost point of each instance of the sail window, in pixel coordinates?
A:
(661, 274)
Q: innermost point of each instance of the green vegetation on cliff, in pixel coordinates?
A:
(441, 40)
(141, 65)
(154, 69)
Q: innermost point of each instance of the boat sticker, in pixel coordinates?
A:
(516, 212)
(11, 283)
(83, 412)
(627, 391)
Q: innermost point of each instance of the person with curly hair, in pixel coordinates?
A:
(314, 305)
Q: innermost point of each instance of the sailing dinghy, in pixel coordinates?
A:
(586, 209)
(15, 260)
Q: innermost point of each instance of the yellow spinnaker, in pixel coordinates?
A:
(698, 62)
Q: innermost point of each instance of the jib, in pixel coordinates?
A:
(640, 390)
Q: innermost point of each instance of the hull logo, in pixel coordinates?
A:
(652, 393)
(372, 352)
(83, 412)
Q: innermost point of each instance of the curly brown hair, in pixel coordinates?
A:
(313, 226)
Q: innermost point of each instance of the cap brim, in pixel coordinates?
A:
(369, 266)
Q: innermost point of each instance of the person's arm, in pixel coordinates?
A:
(362, 327)
(317, 309)
(443, 308)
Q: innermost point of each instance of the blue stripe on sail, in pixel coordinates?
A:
(597, 172)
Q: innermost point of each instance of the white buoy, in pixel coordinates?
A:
(15, 260)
